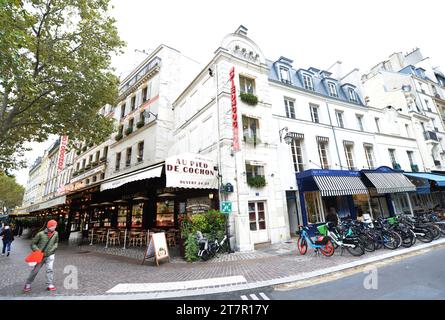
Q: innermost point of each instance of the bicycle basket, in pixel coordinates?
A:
(392, 220)
(322, 229)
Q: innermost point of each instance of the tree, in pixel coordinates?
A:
(55, 73)
(11, 193)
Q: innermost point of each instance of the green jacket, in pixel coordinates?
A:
(40, 240)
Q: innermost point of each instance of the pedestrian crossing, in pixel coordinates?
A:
(253, 296)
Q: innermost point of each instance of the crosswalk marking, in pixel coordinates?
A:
(264, 296)
(255, 297)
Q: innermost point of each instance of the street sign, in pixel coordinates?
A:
(226, 207)
(228, 187)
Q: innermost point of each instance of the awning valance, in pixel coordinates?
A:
(151, 172)
(390, 182)
(295, 135)
(340, 185)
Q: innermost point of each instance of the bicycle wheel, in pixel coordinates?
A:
(328, 250)
(435, 230)
(367, 242)
(390, 241)
(426, 236)
(408, 239)
(205, 255)
(302, 245)
(357, 250)
(398, 237)
(442, 228)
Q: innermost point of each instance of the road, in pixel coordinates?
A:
(418, 277)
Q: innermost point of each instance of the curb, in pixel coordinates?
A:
(247, 286)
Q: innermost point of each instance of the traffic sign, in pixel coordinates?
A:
(226, 207)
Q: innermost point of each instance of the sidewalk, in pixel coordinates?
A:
(105, 276)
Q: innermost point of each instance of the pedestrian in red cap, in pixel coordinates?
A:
(46, 241)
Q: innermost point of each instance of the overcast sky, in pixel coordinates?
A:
(312, 33)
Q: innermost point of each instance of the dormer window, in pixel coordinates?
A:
(284, 74)
(352, 95)
(307, 81)
(332, 89)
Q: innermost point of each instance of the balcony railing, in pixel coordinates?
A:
(414, 168)
(430, 135)
(396, 166)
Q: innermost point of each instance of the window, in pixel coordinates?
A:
(349, 155)
(90, 159)
(97, 156)
(290, 108)
(377, 124)
(87, 181)
(339, 116)
(407, 130)
(323, 154)
(359, 121)
(352, 95)
(392, 156)
(131, 123)
(247, 85)
(254, 171)
(140, 151)
(118, 161)
(314, 113)
(105, 151)
(332, 89)
(84, 162)
(121, 128)
(133, 102)
(144, 94)
(410, 157)
(284, 73)
(421, 87)
(250, 130)
(297, 155)
(427, 105)
(128, 158)
(122, 110)
(94, 178)
(165, 213)
(369, 153)
(307, 81)
(136, 215)
(77, 166)
(102, 176)
(257, 216)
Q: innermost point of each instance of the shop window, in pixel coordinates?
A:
(122, 214)
(136, 216)
(165, 214)
(257, 216)
(313, 207)
(144, 94)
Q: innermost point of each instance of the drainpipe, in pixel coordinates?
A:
(335, 137)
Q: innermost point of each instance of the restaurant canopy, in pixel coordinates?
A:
(331, 182)
(387, 180)
(423, 180)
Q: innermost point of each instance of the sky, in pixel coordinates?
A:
(312, 33)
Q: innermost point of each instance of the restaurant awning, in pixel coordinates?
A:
(386, 180)
(47, 204)
(331, 182)
(147, 173)
(438, 179)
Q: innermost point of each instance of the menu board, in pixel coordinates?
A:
(157, 248)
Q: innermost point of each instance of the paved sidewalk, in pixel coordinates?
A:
(99, 273)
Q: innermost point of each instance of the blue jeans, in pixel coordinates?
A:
(6, 246)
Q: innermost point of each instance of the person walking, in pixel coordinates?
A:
(46, 241)
(8, 237)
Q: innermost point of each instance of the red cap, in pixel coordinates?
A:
(51, 223)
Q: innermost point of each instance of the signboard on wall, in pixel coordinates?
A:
(190, 170)
(234, 111)
(61, 156)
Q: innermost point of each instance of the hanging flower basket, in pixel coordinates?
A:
(249, 98)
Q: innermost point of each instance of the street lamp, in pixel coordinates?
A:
(284, 135)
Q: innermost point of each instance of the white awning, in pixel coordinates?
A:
(153, 172)
(390, 182)
(340, 185)
(47, 204)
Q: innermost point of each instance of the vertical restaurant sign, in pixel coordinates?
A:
(190, 170)
(234, 111)
(61, 156)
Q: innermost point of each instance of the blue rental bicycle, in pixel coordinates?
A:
(322, 244)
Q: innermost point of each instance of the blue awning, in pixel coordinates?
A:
(438, 179)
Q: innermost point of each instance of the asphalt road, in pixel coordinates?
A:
(419, 277)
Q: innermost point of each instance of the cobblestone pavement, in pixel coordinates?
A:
(98, 272)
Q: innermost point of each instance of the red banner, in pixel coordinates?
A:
(234, 111)
(61, 157)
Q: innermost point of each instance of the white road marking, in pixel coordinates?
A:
(179, 285)
(254, 297)
(264, 296)
(244, 298)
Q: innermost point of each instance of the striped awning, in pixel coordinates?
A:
(340, 185)
(390, 182)
(295, 135)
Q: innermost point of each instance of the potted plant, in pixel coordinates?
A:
(128, 131)
(94, 164)
(249, 98)
(140, 123)
(84, 148)
(88, 166)
(256, 182)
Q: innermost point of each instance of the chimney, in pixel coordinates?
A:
(241, 30)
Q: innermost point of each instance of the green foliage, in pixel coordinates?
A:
(257, 181)
(118, 136)
(140, 124)
(11, 193)
(249, 98)
(191, 248)
(55, 73)
(128, 131)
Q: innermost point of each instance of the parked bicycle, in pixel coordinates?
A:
(344, 238)
(209, 249)
(321, 244)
